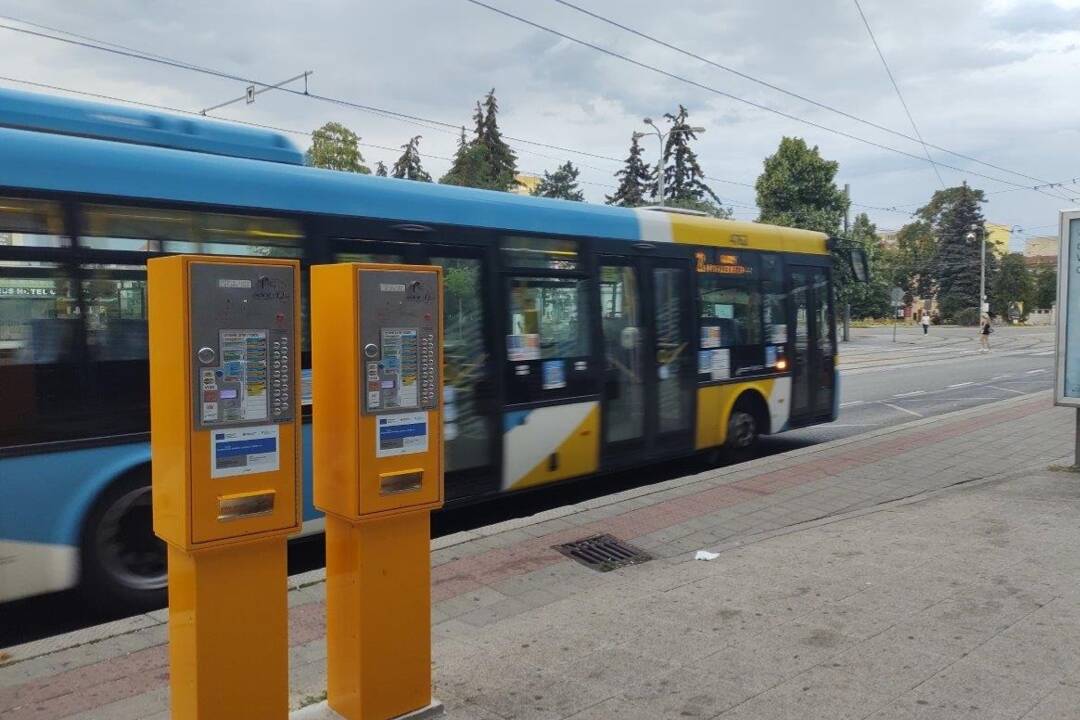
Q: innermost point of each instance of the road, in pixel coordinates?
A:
(882, 383)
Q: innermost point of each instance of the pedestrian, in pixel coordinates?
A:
(925, 322)
(984, 334)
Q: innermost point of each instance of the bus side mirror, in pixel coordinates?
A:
(860, 265)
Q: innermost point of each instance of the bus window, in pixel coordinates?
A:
(31, 224)
(546, 253)
(139, 229)
(115, 300)
(774, 300)
(547, 319)
(729, 308)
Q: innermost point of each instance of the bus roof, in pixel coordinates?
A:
(67, 116)
(70, 163)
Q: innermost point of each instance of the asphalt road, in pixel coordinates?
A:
(882, 383)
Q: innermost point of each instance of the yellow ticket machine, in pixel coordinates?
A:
(377, 434)
(225, 442)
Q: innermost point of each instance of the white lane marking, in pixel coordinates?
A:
(960, 385)
(999, 377)
(1046, 352)
(853, 402)
(1036, 372)
(836, 425)
(910, 394)
(905, 410)
(1003, 389)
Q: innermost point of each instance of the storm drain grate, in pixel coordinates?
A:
(603, 552)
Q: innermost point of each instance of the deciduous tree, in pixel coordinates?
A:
(1045, 288)
(336, 147)
(1012, 284)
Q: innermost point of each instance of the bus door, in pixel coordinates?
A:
(813, 335)
(648, 350)
(470, 400)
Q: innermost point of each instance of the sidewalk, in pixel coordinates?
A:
(849, 585)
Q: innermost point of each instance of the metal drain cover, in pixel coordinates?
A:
(603, 552)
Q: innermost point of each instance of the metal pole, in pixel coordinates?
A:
(1077, 438)
(894, 325)
(847, 305)
(982, 274)
(660, 171)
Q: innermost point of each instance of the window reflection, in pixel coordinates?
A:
(544, 319)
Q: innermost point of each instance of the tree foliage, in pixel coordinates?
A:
(684, 179)
(1045, 288)
(408, 166)
(797, 189)
(380, 169)
(916, 249)
(959, 227)
(485, 161)
(1012, 284)
(871, 299)
(635, 179)
(336, 147)
(561, 184)
(705, 205)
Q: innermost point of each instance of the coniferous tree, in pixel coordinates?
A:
(635, 179)
(959, 225)
(380, 169)
(683, 177)
(408, 165)
(561, 184)
(336, 147)
(502, 159)
(470, 166)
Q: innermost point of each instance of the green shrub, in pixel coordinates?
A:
(967, 316)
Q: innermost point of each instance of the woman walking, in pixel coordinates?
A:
(925, 322)
(984, 334)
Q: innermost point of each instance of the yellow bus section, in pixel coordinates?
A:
(376, 353)
(714, 404)
(225, 443)
(578, 453)
(696, 230)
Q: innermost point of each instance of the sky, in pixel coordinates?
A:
(994, 80)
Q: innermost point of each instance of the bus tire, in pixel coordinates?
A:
(745, 425)
(123, 562)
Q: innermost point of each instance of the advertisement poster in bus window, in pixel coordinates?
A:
(779, 334)
(554, 374)
(721, 364)
(521, 348)
(710, 336)
(1071, 387)
(704, 362)
(770, 356)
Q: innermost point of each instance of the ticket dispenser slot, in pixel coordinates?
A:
(378, 464)
(225, 445)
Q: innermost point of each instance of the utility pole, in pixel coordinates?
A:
(847, 304)
(983, 306)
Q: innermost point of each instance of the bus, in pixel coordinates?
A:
(580, 339)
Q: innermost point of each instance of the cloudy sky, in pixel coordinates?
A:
(994, 80)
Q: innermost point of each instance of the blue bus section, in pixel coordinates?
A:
(116, 122)
(44, 498)
(82, 165)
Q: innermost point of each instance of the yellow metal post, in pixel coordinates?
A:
(225, 443)
(377, 433)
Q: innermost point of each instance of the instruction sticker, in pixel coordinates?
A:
(554, 374)
(244, 451)
(710, 336)
(721, 364)
(401, 434)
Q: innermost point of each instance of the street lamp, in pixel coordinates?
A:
(660, 165)
(982, 267)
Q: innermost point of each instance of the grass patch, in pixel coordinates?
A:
(1064, 468)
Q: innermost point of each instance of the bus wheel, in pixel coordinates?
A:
(742, 433)
(123, 562)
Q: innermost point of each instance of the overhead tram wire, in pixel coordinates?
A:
(94, 44)
(896, 87)
(751, 103)
(789, 93)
